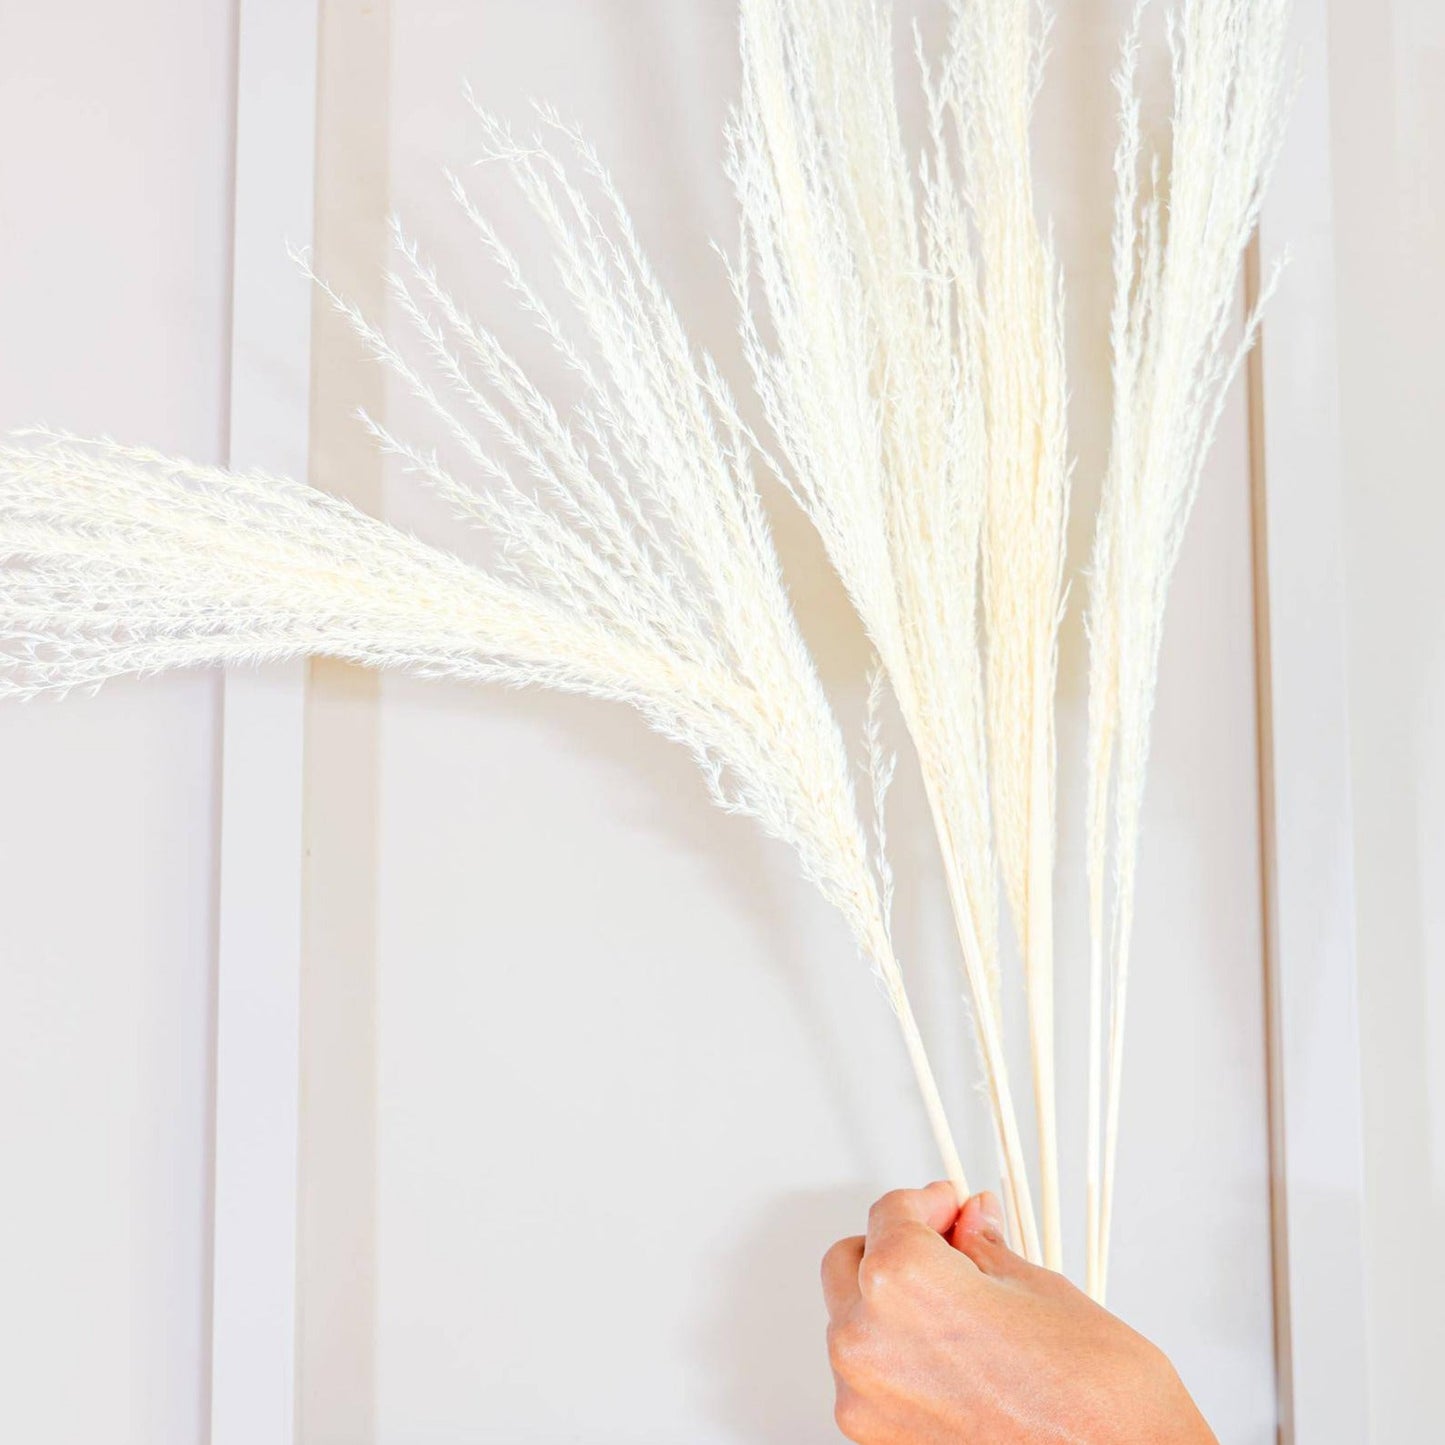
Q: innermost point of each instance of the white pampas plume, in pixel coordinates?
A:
(634, 559)
(1021, 340)
(864, 338)
(1177, 264)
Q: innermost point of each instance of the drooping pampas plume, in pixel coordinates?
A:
(634, 558)
(1177, 263)
(902, 319)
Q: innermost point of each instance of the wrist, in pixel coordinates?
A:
(1191, 1428)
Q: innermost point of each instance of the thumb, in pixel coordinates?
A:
(979, 1233)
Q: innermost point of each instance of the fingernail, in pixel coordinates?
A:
(989, 1212)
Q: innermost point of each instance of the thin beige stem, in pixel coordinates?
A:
(990, 1036)
(1118, 1003)
(1011, 1214)
(1039, 984)
(1093, 1270)
(1098, 870)
(932, 1099)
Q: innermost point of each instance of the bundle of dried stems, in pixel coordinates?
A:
(902, 316)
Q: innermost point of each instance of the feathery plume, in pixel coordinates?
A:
(865, 345)
(1177, 266)
(634, 560)
(1021, 336)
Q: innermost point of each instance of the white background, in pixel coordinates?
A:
(628, 1081)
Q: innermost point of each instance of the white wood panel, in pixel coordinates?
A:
(1306, 803)
(257, 1067)
(336, 1250)
(115, 227)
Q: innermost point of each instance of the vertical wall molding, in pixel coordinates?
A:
(262, 782)
(1316, 1104)
(337, 1184)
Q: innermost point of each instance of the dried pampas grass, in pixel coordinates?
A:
(634, 560)
(902, 318)
(865, 343)
(1177, 260)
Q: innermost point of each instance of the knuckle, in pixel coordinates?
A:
(834, 1256)
(848, 1413)
(875, 1278)
(845, 1349)
(976, 1248)
(891, 1266)
(886, 1208)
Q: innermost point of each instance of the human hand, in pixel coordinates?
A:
(939, 1334)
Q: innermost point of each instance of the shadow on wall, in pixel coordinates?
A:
(762, 1352)
(653, 790)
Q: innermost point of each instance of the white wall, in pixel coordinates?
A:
(115, 155)
(1390, 160)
